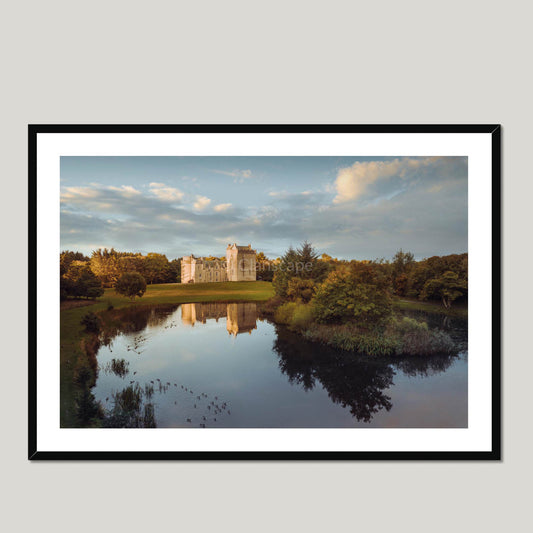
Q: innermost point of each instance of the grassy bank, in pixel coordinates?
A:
(411, 304)
(72, 333)
(394, 336)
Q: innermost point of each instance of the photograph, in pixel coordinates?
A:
(296, 292)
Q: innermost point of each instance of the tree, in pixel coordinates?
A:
(448, 287)
(313, 268)
(360, 292)
(67, 257)
(435, 267)
(174, 271)
(301, 290)
(81, 282)
(301, 263)
(131, 263)
(402, 264)
(131, 284)
(106, 265)
(155, 267)
(264, 267)
(284, 272)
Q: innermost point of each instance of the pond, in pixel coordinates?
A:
(219, 365)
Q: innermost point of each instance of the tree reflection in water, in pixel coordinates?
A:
(360, 384)
(351, 380)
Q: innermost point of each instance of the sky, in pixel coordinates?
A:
(347, 207)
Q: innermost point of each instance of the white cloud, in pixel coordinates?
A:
(201, 202)
(79, 192)
(125, 190)
(352, 182)
(239, 175)
(165, 193)
(222, 207)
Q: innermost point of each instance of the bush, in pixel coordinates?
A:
(359, 293)
(131, 284)
(91, 322)
(349, 338)
(402, 337)
(87, 407)
(284, 313)
(295, 315)
(416, 338)
(302, 317)
(301, 290)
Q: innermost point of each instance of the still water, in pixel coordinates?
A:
(219, 365)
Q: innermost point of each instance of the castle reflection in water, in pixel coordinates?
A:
(240, 317)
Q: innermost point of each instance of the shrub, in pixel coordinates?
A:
(402, 337)
(359, 293)
(83, 373)
(284, 313)
(301, 290)
(295, 315)
(91, 322)
(131, 284)
(302, 317)
(417, 339)
(349, 338)
(87, 407)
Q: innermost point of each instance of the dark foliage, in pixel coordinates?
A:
(92, 323)
(131, 284)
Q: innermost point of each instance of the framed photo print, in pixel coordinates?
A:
(264, 292)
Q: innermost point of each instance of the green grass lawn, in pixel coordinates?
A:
(71, 332)
(197, 292)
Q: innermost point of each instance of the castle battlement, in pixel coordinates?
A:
(238, 266)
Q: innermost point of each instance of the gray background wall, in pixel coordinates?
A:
(267, 62)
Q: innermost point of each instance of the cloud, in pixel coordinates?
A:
(222, 207)
(125, 190)
(165, 193)
(406, 209)
(356, 181)
(201, 202)
(239, 175)
(79, 192)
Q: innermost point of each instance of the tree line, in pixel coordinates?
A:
(340, 290)
(86, 277)
(349, 304)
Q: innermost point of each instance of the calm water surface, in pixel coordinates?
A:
(218, 365)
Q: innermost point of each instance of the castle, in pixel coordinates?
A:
(238, 266)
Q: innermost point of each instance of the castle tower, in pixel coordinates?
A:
(240, 262)
(187, 269)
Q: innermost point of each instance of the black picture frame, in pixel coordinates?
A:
(495, 453)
